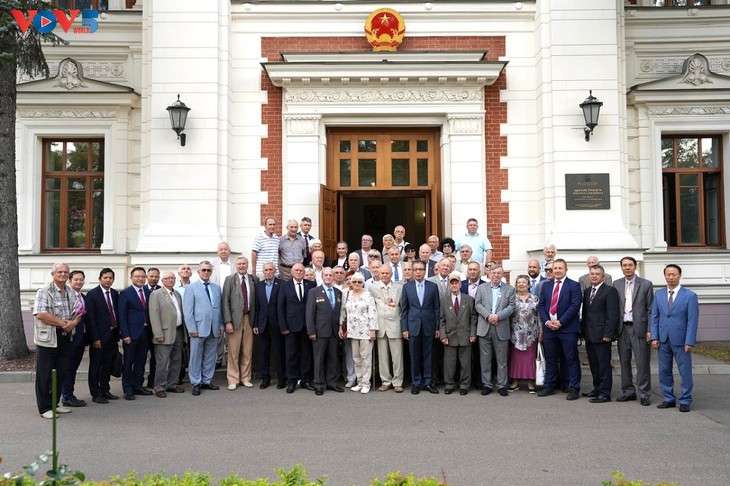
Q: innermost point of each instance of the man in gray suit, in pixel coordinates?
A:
(495, 304)
(322, 319)
(635, 299)
(458, 331)
(239, 314)
(167, 323)
(387, 294)
(203, 319)
(443, 269)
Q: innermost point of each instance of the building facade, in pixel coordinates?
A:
(476, 114)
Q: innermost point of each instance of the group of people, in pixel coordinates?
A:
(317, 321)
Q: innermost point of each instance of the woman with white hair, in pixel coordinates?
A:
(359, 323)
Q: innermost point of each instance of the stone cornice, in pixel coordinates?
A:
(384, 95)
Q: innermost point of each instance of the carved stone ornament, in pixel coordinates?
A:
(405, 95)
(675, 65)
(114, 71)
(302, 125)
(689, 110)
(68, 114)
(70, 75)
(696, 70)
(465, 125)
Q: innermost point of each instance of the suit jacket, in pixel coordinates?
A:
(132, 316)
(291, 311)
(266, 311)
(233, 300)
(321, 318)
(601, 317)
(569, 303)
(388, 306)
(504, 309)
(443, 290)
(163, 315)
(642, 296)
(678, 324)
(465, 285)
(98, 321)
(585, 281)
(430, 268)
(416, 318)
(203, 315)
(458, 329)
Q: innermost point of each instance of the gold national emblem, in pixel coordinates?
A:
(384, 29)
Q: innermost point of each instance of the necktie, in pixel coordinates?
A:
(554, 300)
(593, 294)
(244, 291)
(207, 291)
(629, 298)
(141, 297)
(671, 298)
(532, 287)
(110, 308)
(300, 292)
(79, 308)
(395, 271)
(456, 306)
(331, 295)
(306, 243)
(444, 283)
(419, 289)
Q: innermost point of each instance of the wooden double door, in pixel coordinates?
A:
(377, 179)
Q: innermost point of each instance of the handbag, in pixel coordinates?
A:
(117, 364)
(540, 366)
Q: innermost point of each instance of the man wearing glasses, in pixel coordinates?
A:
(203, 319)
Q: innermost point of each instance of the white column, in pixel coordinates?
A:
(301, 167)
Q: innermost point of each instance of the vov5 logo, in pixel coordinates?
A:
(45, 21)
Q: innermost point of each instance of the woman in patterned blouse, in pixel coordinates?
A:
(526, 332)
(359, 323)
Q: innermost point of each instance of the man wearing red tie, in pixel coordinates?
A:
(558, 306)
(134, 319)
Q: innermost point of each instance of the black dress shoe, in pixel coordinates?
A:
(196, 390)
(431, 389)
(448, 391)
(209, 386)
(463, 391)
(109, 396)
(74, 402)
(280, 385)
(318, 391)
(142, 391)
(666, 405)
(683, 407)
(546, 392)
(486, 391)
(291, 387)
(415, 390)
(129, 396)
(591, 394)
(626, 398)
(565, 389)
(572, 395)
(265, 384)
(646, 402)
(307, 386)
(336, 388)
(99, 400)
(600, 399)
(503, 392)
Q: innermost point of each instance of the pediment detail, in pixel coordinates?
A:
(696, 75)
(70, 77)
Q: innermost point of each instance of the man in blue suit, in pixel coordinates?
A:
(267, 328)
(134, 319)
(558, 306)
(291, 311)
(419, 324)
(674, 316)
(102, 309)
(204, 319)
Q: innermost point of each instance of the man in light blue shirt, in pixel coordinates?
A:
(480, 245)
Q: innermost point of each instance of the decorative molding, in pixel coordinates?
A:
(68, 114)
(696, 70)
(100, 70)
(302, 125)
(69, 75)
(465, 125)
(375, 95)
(673, 65)
(689, 110)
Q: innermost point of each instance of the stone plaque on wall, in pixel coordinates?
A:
(587, 191)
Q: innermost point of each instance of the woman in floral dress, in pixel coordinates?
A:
(526, 332)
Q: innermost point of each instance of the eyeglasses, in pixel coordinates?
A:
(373, 256)
(548, 270)
(206, 270)
(357, 282)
